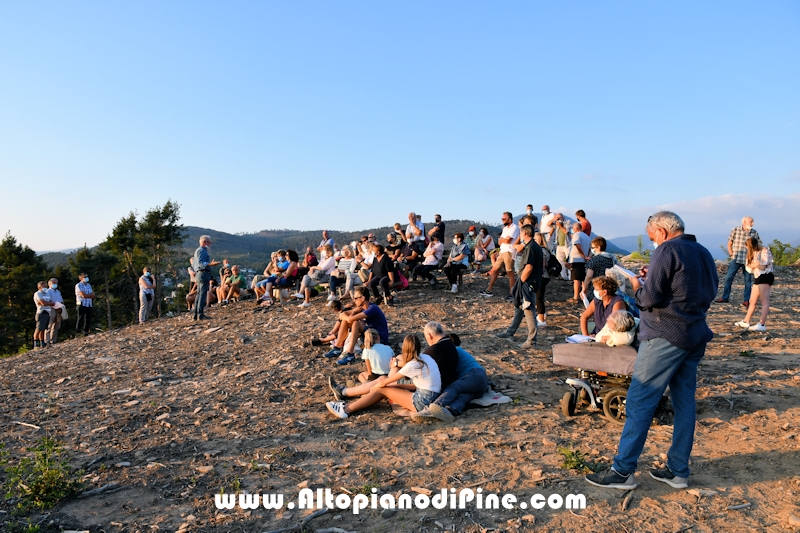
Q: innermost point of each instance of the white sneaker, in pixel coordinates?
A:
(541, 324)
(743, 324)
(454, 289)
(329, 303)
(299, 295)
(305, 304)
(331, 297)
(336, 408)
(758, 326)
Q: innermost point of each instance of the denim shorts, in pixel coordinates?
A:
(422, 398)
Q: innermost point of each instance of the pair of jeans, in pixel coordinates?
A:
(84, 324)
(733, 268)
(458, 394)
(659, 364)
(145, 306)
(451, 271)
(529, 319)
(203, 281)
(425, 271)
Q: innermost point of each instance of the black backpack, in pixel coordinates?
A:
(553, 266)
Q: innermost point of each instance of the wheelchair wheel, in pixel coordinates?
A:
(614, 405)
(568, 404)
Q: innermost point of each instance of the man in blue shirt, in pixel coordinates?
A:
(674, 294)
(202, 267)
(354, 323)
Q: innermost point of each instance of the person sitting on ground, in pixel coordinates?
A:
(317, 274)
(471, 382)
(483, 245)
(457, 260)
(287, 277)
(432, 255)
(442, 350)
(759, 263)
(597, 264)
(377, 357)
(236, 285)
(278, 264)
(606, 301)
(426, 384)
(222, 290)
(337, 307)
(381, 274)
(364, 315)
(345, 273)
(620, 330)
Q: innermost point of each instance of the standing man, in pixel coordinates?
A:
(43, 306)
(737, 250)
(681, 283)
(84, 298)
(51, 335)
(547, 226)
(415, 233)
(524, 291)
(508, 238)
(326, 240)
(578, 255)
(586, 226)
(438, 228)
(202, 267)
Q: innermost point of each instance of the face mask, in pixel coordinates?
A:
(147, 274)
(86, 279)
(54, 286)
(530, 211)
(545, 211)
(471, 233)
(597, 295)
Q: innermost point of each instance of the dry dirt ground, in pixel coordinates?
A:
(173, 414)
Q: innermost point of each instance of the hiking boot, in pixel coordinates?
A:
(336, 352)
(665, 475)
(611, 479)
(337, 408)
(504, 335)
(442, 413)
(336, 389)
(346, 359)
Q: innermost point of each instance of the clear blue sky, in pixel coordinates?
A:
(346, 115)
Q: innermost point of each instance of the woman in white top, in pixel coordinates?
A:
(419, 367)
(316, 275)
(345, 273)
(483, 245)
(759, 263)
(146, 294)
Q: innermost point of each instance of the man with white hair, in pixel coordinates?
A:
(327, 240)
(681, 282)
(737, 250)
(547, 225)
(202, 266)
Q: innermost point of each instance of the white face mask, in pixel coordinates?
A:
(471, 233)
(597, 295)
(545, 211)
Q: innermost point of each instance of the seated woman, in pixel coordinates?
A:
(597, 264)
(316, 274)
(273, 270)
(377, 357)
(224, 285)
(381, 274)
(285, 279)
(235, 284)
(432, 254)
(620, 330)
(606, 301)
(419, 367)
(457, 260)
(483, 245)
(345, 273)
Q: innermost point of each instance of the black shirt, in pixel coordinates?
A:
(439, 233)
(381, 267)
(446, 356)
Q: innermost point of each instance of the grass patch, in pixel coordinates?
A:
(43, 479)
(575, 460)
(747, 353)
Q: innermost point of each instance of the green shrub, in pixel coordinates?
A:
(783, 254)
(43, 480)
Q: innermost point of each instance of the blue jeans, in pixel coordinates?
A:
(659, 364)
(203, 280)
(422, 398)
(459, 393)
(733, 268)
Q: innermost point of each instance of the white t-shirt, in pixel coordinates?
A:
(425, 377)
(547, 223)
(327, 265)
(379, 357)
(586, 244)
(38, 298)
(512, 231)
